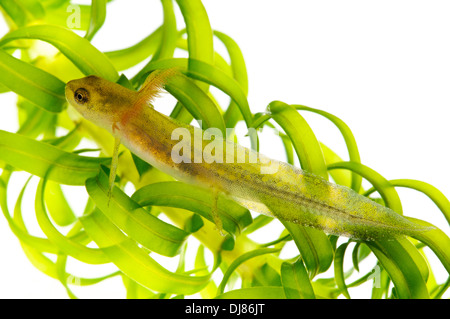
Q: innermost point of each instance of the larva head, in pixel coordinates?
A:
(99, 100)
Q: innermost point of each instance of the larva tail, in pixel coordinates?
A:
(312, 201)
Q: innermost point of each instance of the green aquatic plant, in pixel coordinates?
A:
(161, 215)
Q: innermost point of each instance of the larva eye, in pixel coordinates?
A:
(81, 96)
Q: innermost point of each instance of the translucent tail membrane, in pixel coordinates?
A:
(299, 197)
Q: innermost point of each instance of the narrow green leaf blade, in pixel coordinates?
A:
(314, 247)
(295, 280)
(77, 49)
(210, 74)
(135, 262)
(348, 138)
(128, 57)
(239, 70)
(437, 240)
(169, 32)
(14, 10)
(37, 121)
(200, 35)
(429, 190)
(135, 221)
(303, 139)
(407, 278)
(34, 84)
(382, 185)
(339, 176)
(47, 161)
(57, 205)
(196, 101)
(197, 199)
(98, 16)
(339, 269)
(238, 261)
(16, 224)
(65, 244)
(313, 244)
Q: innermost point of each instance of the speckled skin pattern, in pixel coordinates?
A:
(285, 192)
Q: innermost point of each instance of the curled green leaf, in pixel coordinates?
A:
(296, 283)
(200, 35)
(348, 138)
(34, 84)
(169, 32)
(65, 244)
(128, 57)
(339, 269)
(44, 160)
(405, 274)
(238, 261)
(98, 16)
(135, 221)
(135, 262)
(303, 139)
(382, 185)
(199, 200)
(77, 49)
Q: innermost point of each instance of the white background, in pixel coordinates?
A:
(381, 66)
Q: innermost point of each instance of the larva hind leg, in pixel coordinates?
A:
(215, 211)
(113, 170)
